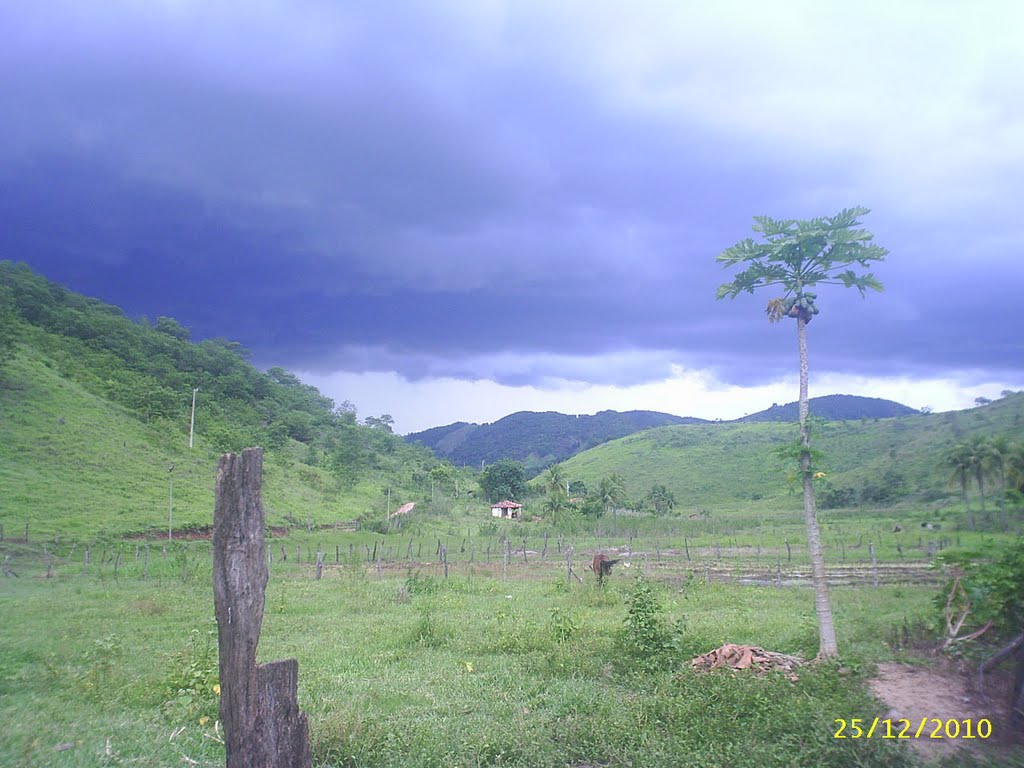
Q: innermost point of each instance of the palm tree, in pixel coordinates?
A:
(1000, 447)
(554, 479)
(611, 491)
(981, 461)
(797, 256)
(958, 458)
(1014, 463)
(556, 507)
(661, 498)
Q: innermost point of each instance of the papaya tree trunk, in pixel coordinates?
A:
(826, 629)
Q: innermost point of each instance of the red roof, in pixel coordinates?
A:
(506, 505)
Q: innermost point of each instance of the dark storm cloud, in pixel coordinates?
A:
(343, 186)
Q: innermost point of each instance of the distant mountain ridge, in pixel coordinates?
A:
(536, 439)
(835, 408)
(541, 439)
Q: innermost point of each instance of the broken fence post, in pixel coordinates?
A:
(263, 725)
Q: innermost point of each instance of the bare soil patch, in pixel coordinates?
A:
(945, 692)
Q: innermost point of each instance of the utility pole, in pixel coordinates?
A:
(170, 508)
(192, 425)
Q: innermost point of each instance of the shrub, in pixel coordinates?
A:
(646, 640)
(564, 624)
(192, 682)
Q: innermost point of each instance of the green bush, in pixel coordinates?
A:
(192, 680)
(648, 643)
(564, 624)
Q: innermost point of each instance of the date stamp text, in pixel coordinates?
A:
(927, 728)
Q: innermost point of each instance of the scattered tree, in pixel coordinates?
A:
(611, 492)
(383, 422)
(661, 499)
(8, 328)
(554, 479)
(796, 256)
(505, 479)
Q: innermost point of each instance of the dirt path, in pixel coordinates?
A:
(945, 693)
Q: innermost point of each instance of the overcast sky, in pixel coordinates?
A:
(455, 210)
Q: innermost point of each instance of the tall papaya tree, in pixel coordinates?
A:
(796, 256)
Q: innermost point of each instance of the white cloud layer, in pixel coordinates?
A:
(433, 402)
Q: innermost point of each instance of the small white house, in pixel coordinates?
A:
(508, 510)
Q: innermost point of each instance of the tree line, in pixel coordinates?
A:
(152, 368)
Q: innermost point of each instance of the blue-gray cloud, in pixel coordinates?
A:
(344, 186)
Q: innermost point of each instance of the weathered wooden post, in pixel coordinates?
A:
(874, 564)
(258, 706)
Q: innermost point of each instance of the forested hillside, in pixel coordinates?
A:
(863, 463)
(95, 409)
(835, 408)
(537, 439)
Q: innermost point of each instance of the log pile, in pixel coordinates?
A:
(734, 656)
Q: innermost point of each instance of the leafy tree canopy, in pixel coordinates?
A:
(798, 254)
(505, 479)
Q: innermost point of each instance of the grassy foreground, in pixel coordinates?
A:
(407, 669)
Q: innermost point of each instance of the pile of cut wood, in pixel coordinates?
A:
(734, 656)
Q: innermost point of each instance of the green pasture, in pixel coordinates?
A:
(399, 666)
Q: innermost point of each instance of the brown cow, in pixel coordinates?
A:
(602, 566)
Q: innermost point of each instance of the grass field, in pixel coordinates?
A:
(108, 645)
(400, 667)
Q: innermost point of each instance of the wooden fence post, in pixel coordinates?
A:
(874, 564)
(258, 706)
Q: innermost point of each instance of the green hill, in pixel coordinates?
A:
(95, 408)
(835, 408)
(536, 439)
(870, 462)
